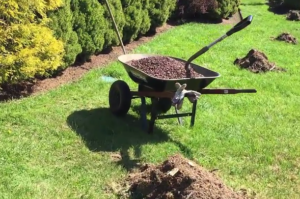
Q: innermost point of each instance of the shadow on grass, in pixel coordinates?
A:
(103, 132)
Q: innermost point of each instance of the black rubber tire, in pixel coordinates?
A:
(119, 98)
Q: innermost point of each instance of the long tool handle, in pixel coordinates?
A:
(227, 91)
(241, 25)
(115, 25)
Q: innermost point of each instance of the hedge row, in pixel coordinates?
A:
(43, 36)
(86, 27)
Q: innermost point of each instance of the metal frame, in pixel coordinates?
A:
(146, 92)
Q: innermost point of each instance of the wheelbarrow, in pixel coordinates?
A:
(162, 91)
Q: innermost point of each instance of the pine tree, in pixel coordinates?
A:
(89, 24)
(62, 25)
(225, 8)
(160, 11)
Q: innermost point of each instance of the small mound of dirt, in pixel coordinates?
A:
(256, 62)
(287, 38)
(178, 178)
(164, 67)
(293, 15)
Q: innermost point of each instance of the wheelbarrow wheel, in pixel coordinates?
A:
(119, 98)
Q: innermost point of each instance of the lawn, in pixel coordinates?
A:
(60, 144)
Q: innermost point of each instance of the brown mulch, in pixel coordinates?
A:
(76, 71)
(164, 67)
(287, 38)
(293, 15)
(178, 178)
(256, 62)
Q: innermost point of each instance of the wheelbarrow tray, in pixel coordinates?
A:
(157, 84)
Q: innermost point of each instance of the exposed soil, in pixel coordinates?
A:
(287, 38)
(76, 71)
(256, 62)
(178, 178)
(293, 15)
(164, 68)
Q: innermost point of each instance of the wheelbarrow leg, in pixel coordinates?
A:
(179, 118)
(194, 113)
(143, 113)
(153, 116)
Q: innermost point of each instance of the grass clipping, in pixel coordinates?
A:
(256, 62)
(177, 178)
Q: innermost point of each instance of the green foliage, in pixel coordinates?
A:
(23, 11)
(27, 45)
(225, 8)
(160, 11)
(62, 24)
(136, 17)
(110, 36)
(86, 26)
(89, 24)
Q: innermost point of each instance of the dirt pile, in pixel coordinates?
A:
(293, 15)
(178, 178)
(287, 38)
(256, 62)
(163, 67)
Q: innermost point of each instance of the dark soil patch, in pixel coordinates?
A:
(14, 91)
(163, 67)
(257, 62)
(287, 38)
(178, 178)
(293, 15)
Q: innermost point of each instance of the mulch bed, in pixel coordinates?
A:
(164, 67)
(293, 15)
(256, 62)
(287, 38)
(178, 178)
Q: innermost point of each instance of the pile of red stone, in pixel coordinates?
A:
(163, 67)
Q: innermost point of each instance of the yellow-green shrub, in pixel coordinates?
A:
(27, 45)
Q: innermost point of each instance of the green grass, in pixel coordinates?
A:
(58, 144)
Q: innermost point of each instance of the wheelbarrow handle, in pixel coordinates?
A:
(241, 25)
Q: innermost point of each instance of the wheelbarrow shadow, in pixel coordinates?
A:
(103, 132)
